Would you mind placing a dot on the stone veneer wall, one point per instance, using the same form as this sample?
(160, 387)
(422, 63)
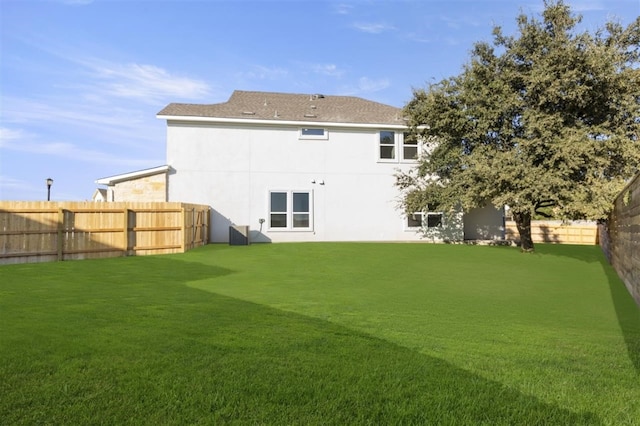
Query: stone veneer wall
(147, 188)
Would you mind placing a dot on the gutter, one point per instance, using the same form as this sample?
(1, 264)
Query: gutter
(332, 124)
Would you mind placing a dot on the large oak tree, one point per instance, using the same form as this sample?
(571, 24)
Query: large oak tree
(545, 122)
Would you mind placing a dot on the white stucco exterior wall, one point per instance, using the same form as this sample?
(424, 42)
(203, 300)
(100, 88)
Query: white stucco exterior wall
(486, 223)
(232, 168)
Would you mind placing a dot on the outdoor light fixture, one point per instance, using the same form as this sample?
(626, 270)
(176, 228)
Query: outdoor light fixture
(49, 183)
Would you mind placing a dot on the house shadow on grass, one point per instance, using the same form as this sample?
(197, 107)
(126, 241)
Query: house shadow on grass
(176, 352)
(627, 310)
(288, 368)
(315, 372)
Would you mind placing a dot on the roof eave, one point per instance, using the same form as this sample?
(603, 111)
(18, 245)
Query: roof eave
(111, 180)
(401, 124)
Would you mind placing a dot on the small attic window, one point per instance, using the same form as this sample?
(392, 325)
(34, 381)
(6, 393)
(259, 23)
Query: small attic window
(248, 113)
(313, 133)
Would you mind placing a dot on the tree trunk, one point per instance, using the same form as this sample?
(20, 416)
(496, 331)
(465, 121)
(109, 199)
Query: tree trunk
(523, 223)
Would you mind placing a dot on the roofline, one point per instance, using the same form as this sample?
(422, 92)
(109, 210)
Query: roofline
(279, 122)
(110, 180)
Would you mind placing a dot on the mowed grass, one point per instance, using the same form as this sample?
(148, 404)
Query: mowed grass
(325, 333)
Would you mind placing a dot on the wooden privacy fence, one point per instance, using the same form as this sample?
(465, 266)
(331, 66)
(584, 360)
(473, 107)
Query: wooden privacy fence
(47, 231)
(621, 237)
(552, 231)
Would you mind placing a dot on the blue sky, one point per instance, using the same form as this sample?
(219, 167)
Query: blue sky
(81, 81)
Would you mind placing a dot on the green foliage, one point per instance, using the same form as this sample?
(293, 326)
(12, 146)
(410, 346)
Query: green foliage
(331, 334)
(550, 118)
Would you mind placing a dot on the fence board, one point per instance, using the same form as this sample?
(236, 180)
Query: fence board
(556, 232)
(43, 231)
(623, 237)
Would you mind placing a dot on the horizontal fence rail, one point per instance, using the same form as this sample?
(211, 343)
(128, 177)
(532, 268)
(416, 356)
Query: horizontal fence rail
(48, 231)
(551, 231)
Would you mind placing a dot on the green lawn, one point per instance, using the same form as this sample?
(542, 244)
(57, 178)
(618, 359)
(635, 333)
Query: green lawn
(321, 333)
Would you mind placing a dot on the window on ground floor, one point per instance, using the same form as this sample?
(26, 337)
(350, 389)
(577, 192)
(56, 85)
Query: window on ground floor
(420, 219)
(434, 220)
(414, 220)
(290, 210)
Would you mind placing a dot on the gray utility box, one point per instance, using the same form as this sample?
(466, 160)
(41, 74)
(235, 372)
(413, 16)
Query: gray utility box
(239, 235)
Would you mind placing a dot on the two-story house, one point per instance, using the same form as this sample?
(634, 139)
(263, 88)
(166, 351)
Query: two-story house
(303, 167)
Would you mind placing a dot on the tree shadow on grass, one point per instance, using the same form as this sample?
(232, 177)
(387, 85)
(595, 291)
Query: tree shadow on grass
(627, 310)
(159, 351)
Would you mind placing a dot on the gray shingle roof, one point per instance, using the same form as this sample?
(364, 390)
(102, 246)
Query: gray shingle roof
(292, 107)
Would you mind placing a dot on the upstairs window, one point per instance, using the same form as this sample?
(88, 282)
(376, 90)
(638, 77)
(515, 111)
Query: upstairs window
(313, 133)
(395, 146)
(387, 144)
(409, 146)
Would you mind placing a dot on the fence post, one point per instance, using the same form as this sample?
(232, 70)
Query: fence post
(206, 224)
(194, 228)
(125, 229)
(183, 233)
(60, 242)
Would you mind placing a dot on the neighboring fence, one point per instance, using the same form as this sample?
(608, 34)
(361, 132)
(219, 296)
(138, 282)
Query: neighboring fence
(48, 231)
(621, 237)
(555, 231)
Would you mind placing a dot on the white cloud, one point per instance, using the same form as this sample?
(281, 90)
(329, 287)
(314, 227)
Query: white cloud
(328, 69)
(104, 123)
(372, 27)
(7, 134)
(343, 9)
(147, 83)
(76, 2)
(451, 41)
(100, 78)
(260, 72)
(418, 38)
(10, 188)
(9, 182)
(368, 85)
(74, 152)
(460, 21)
(578, 6)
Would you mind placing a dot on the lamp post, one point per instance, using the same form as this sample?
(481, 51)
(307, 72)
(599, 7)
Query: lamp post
(49, 183)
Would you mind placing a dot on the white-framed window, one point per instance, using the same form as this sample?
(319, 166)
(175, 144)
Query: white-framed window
(387, 145)
(313, 133)
(414, 220)
(397, 146)
(291, 210)
(419, 220)
(409, 145)
(433, 220)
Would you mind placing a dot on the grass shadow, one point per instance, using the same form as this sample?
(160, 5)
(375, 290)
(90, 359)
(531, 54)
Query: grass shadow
(627, 310)
(137, 345)
(584, 253)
